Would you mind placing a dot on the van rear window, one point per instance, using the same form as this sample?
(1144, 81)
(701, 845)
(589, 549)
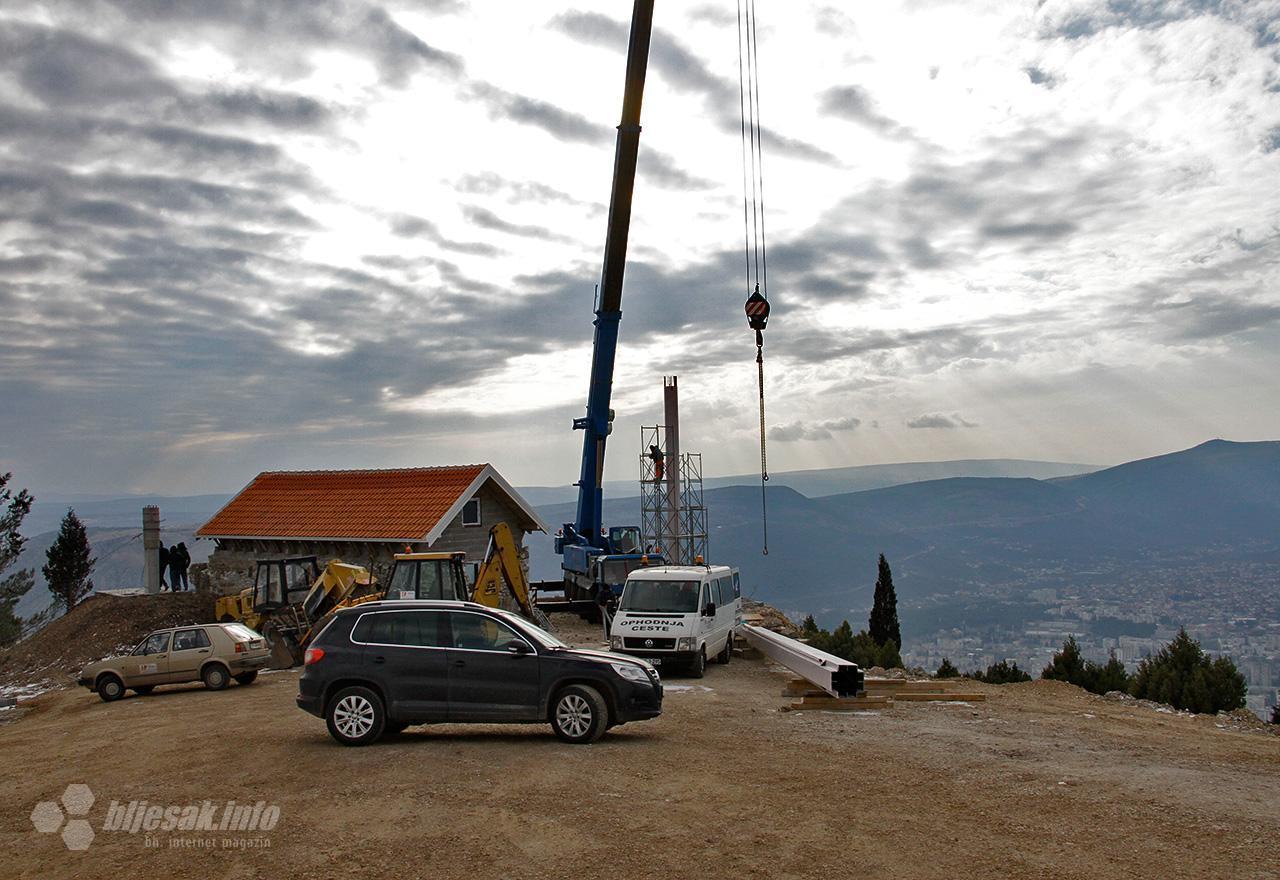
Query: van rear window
(669, 597)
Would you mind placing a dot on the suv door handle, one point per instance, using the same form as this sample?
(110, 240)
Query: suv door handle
(459, 662)
(379, 659)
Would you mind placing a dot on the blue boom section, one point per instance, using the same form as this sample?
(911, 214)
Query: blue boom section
(584, 540)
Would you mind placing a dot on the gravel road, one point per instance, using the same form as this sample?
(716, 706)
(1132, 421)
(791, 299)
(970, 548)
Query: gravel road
(1041, 780)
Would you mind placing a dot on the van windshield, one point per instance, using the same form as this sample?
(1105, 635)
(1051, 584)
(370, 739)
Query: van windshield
(671, 597)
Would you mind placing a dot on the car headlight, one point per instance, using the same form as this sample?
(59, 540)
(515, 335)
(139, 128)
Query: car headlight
(631, 673)
(684, 644)
(615, 642)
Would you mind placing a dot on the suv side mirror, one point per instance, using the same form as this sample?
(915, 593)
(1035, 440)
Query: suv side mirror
(710, 610)
(517, 647)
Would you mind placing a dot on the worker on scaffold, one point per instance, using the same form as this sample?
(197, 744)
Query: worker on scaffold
(659, 462)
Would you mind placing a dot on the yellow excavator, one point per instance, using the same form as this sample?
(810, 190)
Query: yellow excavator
(499, 579)
(291, 597)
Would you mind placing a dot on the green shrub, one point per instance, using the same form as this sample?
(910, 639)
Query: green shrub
(1003, 672)
(946, 670)
(859, 648)
(1069, 665)
(1183, 676)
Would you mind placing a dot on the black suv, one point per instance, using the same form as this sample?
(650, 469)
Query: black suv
(382, 666)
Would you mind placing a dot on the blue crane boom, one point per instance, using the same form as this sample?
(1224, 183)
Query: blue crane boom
(583, 540)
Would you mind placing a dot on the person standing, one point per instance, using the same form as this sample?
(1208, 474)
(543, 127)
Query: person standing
(174, 564)
(184, 562)
(659, 463)
(164, 566)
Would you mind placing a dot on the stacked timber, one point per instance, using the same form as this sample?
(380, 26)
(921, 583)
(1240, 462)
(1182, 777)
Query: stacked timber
(881, 693)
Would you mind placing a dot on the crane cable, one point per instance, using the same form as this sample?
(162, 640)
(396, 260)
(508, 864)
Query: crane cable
(756, 264)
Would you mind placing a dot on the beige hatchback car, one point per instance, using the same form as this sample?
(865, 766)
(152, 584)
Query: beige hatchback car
(213, 653)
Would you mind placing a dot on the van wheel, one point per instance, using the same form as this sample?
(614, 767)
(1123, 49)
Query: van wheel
(215, 677)
(727, 654)
(699, 665)
(110, 688)
(247, 677)
(579, 714)
(355, 716)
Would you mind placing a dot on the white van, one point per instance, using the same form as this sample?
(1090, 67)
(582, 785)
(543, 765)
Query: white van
(678, 615)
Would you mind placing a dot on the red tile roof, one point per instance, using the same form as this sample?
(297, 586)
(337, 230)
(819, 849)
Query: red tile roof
(383, 505)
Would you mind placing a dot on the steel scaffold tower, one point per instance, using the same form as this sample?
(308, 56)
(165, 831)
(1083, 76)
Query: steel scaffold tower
(658, 522)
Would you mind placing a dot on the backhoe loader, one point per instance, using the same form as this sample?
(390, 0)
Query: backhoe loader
(291, 597)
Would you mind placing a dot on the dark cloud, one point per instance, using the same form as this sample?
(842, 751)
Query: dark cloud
(1260, 20)
(519, 192)
(855, 104)
(712, 14)
(686, 72)
(561, 124)
(409, 226)
(1045, 230)
(1271, 140)
(938, 420)
(1040, 77)
(486, 219)
(822, 430)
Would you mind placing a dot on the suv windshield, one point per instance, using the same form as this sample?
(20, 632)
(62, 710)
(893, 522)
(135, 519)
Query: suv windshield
(671, 597)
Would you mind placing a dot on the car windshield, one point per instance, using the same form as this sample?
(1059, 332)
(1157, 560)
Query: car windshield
(537, 633)
(670, 597)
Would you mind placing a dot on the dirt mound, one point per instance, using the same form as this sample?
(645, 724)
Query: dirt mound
(98, 627)
(767, 616)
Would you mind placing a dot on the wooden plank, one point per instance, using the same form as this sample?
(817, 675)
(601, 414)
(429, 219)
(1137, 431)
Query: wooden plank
(842, 704)
(935, 698)
(892, 685)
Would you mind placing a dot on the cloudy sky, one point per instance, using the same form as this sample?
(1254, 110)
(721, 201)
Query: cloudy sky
(243, 235)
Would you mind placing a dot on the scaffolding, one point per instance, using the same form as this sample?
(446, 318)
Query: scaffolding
(679, 532)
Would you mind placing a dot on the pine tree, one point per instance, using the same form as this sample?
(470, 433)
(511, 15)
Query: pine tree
(1111, 677)
(883, 626)
(1067, 664)
(1275, 714)
(1182, 675)
(946, 670)
(13, 510)
(69, 566)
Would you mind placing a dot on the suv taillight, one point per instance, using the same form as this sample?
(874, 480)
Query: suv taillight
(313, 655)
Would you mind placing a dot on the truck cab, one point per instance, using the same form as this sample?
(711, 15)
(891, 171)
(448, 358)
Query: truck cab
(678, 615)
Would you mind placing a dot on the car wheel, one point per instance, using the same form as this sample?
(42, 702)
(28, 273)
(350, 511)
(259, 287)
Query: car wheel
(727, 654)
(215, 677)
(144, 689)
(110, 688)
(579, 714)
(699, 665)
(355, 716)
(247, 677)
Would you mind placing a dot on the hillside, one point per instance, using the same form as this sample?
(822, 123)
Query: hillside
(1218, 502)
(1041, 780)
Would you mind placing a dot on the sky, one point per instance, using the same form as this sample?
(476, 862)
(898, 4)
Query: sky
(242, 236)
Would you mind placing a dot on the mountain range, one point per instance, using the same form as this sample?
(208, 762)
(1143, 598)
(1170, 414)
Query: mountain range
(986, 525)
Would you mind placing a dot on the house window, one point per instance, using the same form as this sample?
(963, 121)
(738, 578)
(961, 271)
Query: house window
(471, 512)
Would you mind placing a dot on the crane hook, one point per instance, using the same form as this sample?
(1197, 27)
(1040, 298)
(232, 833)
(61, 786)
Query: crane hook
(757, 309)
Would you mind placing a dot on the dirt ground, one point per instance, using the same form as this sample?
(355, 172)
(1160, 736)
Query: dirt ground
(1041, 780)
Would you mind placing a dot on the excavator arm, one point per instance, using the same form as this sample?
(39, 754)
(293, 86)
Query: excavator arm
(501, 565)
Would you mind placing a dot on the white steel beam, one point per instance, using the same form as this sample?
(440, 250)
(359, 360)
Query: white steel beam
(835, 675)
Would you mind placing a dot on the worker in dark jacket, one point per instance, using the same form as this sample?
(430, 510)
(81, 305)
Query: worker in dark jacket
(184, 562)
(164, 566)
(659, 463)
(175, 565)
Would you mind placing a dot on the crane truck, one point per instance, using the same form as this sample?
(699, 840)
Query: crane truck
(596, 560)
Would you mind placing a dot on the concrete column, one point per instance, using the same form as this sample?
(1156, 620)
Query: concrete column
(671, 543)
(151, 547)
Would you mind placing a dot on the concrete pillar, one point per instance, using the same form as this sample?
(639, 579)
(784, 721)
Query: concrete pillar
(671, 543)
(151, 547)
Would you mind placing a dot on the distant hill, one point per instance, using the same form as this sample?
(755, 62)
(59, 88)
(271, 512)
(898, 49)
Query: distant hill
(950, 536)
(837, 481)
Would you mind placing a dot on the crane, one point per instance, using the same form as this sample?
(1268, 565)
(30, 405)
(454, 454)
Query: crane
(596, 561)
